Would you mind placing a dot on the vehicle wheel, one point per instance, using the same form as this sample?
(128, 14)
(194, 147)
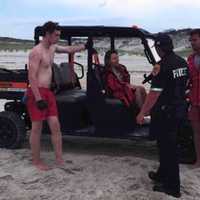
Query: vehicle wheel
(186, 145)
(12, 130)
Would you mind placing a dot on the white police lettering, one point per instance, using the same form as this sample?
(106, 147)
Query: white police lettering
(179, 72)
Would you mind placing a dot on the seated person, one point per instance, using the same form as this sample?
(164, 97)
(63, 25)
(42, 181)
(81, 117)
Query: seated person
(117, 82)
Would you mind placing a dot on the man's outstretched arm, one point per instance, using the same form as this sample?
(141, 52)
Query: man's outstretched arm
(69, 49)
(75, 48)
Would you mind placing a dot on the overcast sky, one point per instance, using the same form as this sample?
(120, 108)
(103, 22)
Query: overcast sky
(18, 18)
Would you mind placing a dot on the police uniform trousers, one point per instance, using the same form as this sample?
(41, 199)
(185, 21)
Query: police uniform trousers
(166, 126)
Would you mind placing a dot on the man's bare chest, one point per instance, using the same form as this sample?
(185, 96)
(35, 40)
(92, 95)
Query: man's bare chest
(47, 59)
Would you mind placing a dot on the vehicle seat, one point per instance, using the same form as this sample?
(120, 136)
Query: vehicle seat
(109, 115)
(64, 77)
(68, 88)
(99, 71)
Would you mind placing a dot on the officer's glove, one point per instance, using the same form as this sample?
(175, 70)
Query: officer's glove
(42, 104)
(89, 44)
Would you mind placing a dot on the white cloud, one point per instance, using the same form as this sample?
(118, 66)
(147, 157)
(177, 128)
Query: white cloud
(144, 7)
(135, 9)
(113, 4)
(84, 3)
(150, 14)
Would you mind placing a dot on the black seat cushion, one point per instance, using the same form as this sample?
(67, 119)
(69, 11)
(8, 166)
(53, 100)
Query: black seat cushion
(71, 96)
(99, 71)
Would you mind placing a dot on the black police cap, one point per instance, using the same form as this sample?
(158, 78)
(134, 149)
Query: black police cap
(164, 41)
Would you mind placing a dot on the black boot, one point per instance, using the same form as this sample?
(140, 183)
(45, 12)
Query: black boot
(166, 190)
(154, 176)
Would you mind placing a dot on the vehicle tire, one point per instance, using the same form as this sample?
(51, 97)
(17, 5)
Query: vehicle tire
(12, 130)
(187, 154)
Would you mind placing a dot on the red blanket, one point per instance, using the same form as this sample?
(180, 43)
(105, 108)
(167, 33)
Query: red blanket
(117, 83)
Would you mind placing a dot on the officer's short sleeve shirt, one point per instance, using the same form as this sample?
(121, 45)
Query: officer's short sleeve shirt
(171, 80)
(158, 81)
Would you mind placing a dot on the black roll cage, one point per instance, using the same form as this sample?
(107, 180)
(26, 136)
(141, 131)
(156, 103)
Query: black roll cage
(67, 32)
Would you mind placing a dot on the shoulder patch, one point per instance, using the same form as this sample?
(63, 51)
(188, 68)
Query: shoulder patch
(180, 72)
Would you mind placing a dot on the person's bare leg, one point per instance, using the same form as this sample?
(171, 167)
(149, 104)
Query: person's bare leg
(35, 145)
(56, 138)
(140, 95)
(196, 129)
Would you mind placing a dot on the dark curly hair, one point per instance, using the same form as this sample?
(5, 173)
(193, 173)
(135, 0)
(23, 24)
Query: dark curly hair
(50, 27)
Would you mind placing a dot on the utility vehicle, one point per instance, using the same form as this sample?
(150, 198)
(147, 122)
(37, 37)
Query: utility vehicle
(82, 112)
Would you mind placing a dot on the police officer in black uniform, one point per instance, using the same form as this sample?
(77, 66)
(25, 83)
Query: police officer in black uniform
(167, 104)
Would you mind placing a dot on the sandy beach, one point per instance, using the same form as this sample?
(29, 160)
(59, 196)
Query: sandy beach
(94, 169)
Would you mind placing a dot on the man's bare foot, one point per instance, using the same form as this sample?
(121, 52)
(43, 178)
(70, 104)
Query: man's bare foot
(60, 162)
(41, 166)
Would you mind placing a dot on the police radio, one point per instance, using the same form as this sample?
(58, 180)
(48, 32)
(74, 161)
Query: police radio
(147, 78)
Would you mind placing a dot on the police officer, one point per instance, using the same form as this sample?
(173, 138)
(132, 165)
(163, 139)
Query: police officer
(167, 105)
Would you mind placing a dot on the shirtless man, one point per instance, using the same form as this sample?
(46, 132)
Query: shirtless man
(41, 103)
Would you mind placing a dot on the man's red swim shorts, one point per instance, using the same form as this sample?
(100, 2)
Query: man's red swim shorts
(36, 114)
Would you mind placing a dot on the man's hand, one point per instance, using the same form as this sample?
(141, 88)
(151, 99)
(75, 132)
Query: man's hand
(53, 86)
(42, 104)
(89, 43)
(156, 70)
(140, 118)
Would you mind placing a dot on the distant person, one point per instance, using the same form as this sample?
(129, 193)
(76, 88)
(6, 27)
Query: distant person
(117, 83)
(194, 69)
(167, 104)
(41, 102)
